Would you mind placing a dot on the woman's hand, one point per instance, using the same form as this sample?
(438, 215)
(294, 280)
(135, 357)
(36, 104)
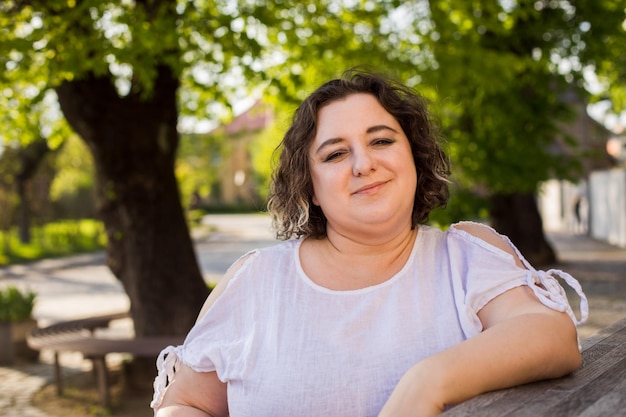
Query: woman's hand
(415, 395)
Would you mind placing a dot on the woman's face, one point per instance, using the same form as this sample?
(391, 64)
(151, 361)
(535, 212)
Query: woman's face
(362, 168)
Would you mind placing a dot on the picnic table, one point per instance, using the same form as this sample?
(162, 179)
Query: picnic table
(598, 388)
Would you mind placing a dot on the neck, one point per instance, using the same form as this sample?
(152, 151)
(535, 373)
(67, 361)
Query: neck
(342, 263)
(371, 244)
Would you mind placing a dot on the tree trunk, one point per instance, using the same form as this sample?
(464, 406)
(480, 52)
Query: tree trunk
(133, 141)
(517, 216)
(24, 211)
(30, 158)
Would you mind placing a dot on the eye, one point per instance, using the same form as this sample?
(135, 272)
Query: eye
(333, 156)
(383, 142)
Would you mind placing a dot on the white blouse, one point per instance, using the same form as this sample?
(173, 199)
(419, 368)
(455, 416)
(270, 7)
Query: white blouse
(289, 347)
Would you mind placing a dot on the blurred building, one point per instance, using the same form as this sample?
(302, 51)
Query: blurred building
(595, 202)
(234, 183)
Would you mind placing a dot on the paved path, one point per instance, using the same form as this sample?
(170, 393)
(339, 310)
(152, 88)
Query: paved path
(82, 285)
(601, 270)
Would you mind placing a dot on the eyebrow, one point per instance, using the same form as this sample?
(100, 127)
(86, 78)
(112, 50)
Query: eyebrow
(378, 128)
(371, 129)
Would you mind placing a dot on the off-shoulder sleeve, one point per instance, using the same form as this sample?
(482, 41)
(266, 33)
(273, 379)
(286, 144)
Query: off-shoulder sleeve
(482, 271)
(217, 342)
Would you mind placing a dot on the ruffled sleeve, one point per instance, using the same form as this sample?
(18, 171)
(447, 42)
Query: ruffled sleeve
(166, 367)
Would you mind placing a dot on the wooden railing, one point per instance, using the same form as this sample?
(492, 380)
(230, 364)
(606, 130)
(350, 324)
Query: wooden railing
(598, 388)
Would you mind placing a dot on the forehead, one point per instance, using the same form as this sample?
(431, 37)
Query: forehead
(355, 111)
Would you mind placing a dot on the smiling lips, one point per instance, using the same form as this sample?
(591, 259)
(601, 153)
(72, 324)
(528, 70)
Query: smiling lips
(370, 188)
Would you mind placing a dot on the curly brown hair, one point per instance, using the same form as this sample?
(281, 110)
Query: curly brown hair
(293, 212)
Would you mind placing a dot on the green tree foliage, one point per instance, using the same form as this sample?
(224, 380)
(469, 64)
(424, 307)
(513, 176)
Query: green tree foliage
(501, 70)
(125, 71)
(72, 191)
(26, 171)
(502, 74)
(605, 24)
(32, 127)
(8, 196)
(263, 153)
(199, 157)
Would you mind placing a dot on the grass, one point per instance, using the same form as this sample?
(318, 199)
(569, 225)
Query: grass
(51, 240)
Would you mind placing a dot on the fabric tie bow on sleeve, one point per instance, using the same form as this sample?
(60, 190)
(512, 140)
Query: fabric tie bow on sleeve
(546, 287)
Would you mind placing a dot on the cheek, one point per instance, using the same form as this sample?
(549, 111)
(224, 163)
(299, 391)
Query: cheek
(412, 169)
(322, 184)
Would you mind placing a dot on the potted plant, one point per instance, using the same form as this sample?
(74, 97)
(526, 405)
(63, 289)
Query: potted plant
(16, 321)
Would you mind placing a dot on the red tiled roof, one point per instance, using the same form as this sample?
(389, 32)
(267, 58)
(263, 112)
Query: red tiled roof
(255, 118)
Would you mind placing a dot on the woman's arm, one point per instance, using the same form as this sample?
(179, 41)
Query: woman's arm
(531, 344)
(194, 394)
(522, 341)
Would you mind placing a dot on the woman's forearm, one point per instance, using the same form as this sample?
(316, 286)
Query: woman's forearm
(180, 411)
(522, 349)
(193, 394)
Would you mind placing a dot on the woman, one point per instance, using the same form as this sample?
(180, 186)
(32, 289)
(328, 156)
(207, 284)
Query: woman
(365, 310)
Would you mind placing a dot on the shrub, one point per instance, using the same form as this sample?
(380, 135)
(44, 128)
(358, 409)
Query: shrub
(16, 305)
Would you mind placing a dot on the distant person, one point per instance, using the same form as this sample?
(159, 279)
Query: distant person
(580, 219)
(365, 310)
(577, 202)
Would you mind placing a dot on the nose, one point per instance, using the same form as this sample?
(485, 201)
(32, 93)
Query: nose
(364, 162)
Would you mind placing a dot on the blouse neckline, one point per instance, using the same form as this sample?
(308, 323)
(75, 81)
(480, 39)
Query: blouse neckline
(320, 288)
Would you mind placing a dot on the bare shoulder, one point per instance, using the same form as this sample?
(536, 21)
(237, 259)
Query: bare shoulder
(223, 283)
(488, 235)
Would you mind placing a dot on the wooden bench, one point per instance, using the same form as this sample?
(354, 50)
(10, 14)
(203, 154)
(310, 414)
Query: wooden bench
(79, 336)
(598, 388)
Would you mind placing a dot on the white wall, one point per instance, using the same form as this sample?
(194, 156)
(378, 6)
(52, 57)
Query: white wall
(607, 192)
(602, 209)
(556, 202)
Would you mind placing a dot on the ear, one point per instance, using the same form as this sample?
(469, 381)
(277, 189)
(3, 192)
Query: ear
(314, 199)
